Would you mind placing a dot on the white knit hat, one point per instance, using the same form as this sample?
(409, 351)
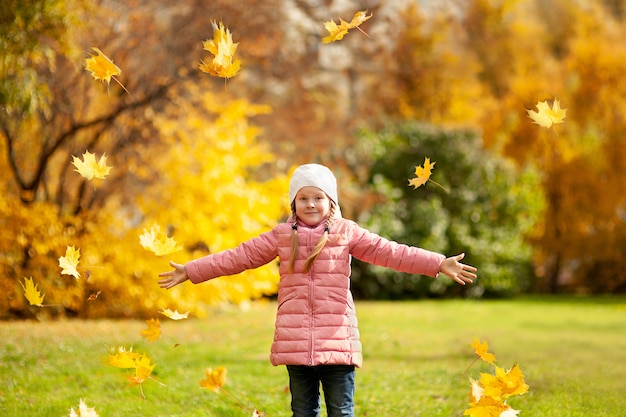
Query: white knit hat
(313, 175)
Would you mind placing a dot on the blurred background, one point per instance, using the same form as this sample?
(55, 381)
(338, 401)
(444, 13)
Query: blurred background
(536, 209)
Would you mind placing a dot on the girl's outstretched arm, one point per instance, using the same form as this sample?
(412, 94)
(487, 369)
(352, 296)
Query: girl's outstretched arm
(175, 277)
(458, 271)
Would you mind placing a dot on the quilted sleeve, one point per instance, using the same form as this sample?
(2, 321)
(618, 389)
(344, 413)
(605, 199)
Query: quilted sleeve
(251, 254)
(377, 250)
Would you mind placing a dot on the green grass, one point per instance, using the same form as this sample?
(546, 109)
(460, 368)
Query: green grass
(571, 350)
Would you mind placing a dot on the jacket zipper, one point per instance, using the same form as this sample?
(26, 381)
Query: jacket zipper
(311, 304)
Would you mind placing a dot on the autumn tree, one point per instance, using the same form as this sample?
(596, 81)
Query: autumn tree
(575, 64)
(47, 206)
(520, 53)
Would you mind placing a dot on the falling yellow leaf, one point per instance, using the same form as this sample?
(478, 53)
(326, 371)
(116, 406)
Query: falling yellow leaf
(128, 359)
(215, 379)
(486, 407)
(102, 68)
(223, 49)
(143, 369)
(153, 332)
(157, 242)
(504, 383)
(481, 349)
(476, 392)
(509, 412)
(34, 297)
(123, 358)
(423, 175)
(83, 410)
(174, 315)
(546, 116)
(69, 262)
(489, 394)
(92, 297)
(338, 31)
(89, 168)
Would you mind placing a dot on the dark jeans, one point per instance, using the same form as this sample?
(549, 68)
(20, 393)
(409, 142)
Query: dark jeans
(337, 383)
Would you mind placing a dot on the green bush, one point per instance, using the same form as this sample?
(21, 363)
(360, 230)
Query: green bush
(487, 209)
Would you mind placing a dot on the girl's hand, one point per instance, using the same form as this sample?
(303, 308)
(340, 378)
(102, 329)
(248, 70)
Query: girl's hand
(173, 278)
(459, 272)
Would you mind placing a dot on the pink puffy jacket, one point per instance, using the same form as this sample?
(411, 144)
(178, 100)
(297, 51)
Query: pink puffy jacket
(316, 320)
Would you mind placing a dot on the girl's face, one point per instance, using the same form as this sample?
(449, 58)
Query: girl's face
(312, 205)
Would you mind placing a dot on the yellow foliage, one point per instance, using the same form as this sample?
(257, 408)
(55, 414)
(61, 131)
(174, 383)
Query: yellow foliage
(222, 192)
(216, 158)
(437, 81)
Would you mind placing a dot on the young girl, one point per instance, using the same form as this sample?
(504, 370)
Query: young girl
(316, 334)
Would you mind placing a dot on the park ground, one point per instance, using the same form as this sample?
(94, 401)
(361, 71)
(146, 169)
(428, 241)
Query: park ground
(416, 359)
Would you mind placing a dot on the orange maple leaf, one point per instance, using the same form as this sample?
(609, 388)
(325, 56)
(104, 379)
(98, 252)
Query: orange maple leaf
(102, 68)
(546, 116)
(153, 332)
(338, 31)
(32, 294)
(215, 379)
(223, 49)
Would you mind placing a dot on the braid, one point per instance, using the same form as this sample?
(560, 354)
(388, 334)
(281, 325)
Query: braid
(294, 238)
(322, 242)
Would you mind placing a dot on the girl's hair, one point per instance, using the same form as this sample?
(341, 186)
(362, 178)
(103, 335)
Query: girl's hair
(320, 245)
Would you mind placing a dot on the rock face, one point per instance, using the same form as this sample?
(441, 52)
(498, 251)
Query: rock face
(319, 92)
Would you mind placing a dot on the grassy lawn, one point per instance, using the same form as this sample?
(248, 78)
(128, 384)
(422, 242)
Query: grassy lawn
(572, 352)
